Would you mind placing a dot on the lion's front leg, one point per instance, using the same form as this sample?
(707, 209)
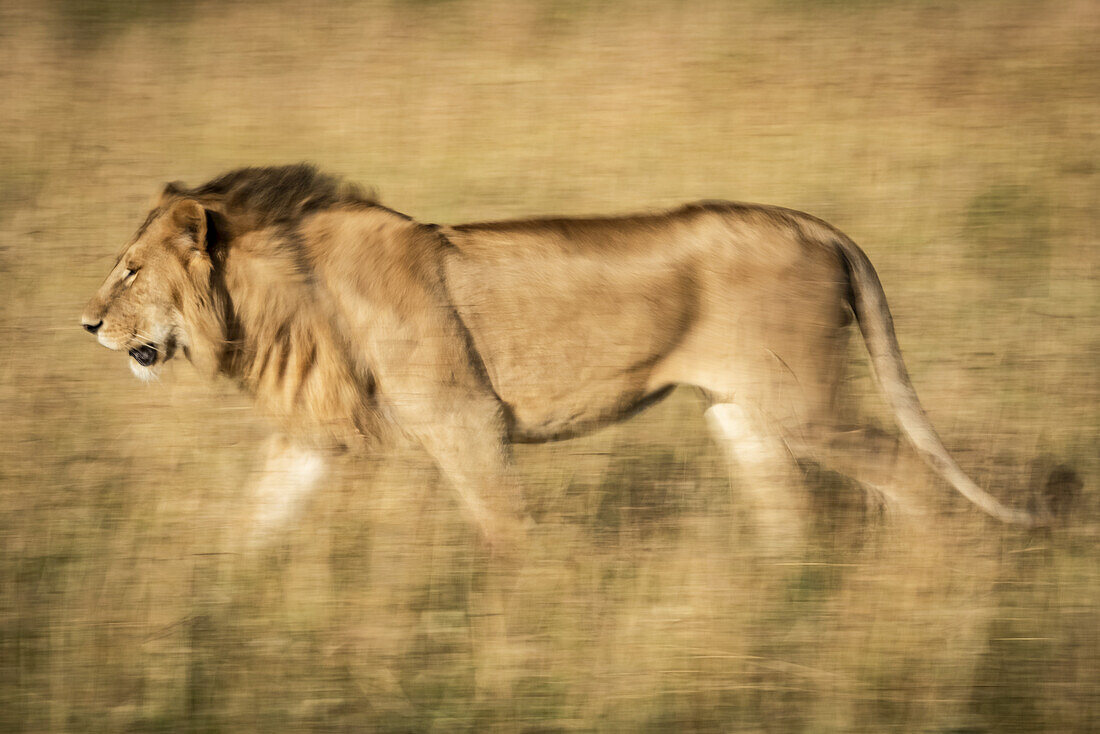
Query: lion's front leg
(466, 440)
(464, 433)
(290, 474)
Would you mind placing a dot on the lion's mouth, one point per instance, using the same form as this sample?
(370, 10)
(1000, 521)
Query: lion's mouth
(145, 355)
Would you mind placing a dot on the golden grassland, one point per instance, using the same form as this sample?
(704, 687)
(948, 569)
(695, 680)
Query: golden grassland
(956, 142)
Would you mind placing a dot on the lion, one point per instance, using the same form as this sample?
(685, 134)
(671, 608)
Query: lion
(347, 321)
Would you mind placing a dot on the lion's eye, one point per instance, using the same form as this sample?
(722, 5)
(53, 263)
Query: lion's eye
(129, 274)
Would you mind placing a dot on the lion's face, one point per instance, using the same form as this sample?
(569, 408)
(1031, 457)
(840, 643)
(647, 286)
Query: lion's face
(139, 307)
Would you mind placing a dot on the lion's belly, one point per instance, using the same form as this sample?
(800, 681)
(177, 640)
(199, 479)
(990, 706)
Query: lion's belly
(542, 423)
(570, 343)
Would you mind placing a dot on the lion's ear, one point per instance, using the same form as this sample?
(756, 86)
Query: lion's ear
(189, 219)
(172, 190)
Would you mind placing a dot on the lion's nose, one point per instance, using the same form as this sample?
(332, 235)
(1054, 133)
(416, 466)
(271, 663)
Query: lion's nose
(92, 328)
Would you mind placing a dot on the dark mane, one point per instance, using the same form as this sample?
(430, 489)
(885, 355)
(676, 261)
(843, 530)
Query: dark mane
(255, 197)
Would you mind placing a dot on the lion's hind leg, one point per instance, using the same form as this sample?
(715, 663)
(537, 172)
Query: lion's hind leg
(892, 478)
(765, 470)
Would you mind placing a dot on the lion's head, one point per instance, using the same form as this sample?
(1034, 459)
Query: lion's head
(157, 299)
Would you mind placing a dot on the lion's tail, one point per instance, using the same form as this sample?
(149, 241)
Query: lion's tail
(869, 304)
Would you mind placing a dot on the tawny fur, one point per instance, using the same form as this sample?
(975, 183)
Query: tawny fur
(345, 319)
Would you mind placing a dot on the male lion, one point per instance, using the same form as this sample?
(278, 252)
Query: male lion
(343, 319)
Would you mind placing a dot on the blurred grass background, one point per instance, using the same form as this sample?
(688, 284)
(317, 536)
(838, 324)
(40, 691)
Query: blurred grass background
(957, 142)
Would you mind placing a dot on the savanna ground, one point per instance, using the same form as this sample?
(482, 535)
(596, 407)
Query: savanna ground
(958, 143)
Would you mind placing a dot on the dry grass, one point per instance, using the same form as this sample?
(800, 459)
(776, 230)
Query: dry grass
(957, 144)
